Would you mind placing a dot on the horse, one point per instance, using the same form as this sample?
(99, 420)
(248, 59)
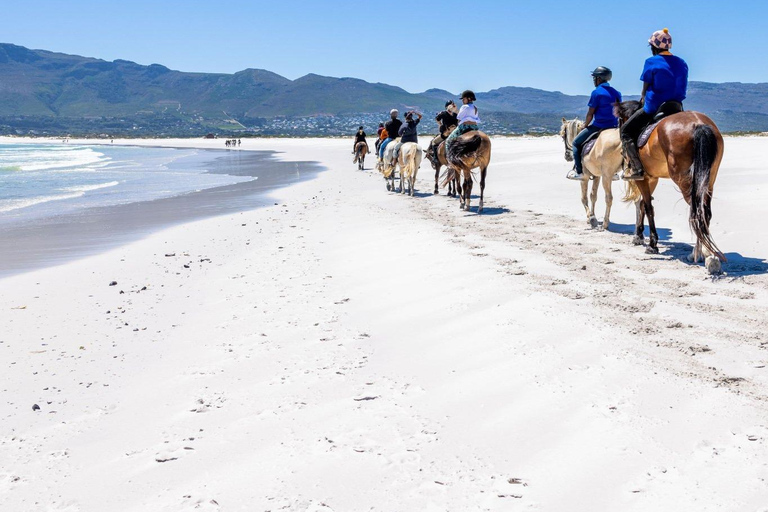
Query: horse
(409, 161)
(687, 148)
(385, 167)
(468, 151)
(361, 149)
(604, 161)
(453, 185)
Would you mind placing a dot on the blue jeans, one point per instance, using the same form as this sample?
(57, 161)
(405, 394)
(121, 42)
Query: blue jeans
(384, 146)
(578, 142)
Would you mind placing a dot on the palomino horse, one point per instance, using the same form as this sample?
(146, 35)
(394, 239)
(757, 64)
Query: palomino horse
(604, 161)
(361, 149)
(687, 148)
(409, 161)
(468, 151)
(453, 185)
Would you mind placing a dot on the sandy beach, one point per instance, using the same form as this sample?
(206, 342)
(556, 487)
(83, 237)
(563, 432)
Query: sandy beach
(342, 348)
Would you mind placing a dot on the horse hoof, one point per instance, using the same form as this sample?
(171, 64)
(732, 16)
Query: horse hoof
(638, 241)
(479, 210)
(651, 250)
(713, 265)
(435, 192)
(593, 222)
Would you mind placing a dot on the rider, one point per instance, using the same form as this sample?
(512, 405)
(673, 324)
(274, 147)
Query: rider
(467, 117)
(379, 138)
(665, 78)
(408, 133)
(360, 137)
(446, 122)
(601, 110)
(393, 127)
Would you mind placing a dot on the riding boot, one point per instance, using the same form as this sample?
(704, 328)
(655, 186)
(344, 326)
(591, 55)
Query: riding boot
(635, 169)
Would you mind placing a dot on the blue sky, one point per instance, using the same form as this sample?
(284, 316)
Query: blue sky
(416, 45)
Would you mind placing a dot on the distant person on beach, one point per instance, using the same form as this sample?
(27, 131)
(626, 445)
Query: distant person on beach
(360, 137)
(447, 121)
(599, 116)
(408, 133)
(393, 128)
(468, 117)
(665, 79)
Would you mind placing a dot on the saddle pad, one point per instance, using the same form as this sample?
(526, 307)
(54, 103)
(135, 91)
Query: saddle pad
(588, 147)
(646, 134)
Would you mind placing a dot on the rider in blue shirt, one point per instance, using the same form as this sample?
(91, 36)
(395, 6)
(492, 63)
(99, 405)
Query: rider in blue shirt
(600, 115)
(665, 78)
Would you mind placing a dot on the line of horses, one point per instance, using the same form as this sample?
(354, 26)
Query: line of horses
(686, 147)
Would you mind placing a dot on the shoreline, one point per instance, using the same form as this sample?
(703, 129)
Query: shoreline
(32, 244)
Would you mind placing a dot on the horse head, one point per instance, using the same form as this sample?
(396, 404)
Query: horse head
(568, 131)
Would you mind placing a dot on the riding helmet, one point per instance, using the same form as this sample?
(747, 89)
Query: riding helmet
(661, 39)
(360, 128)
(449, 103)
(603, 72)
(393, 111)
(469, 95)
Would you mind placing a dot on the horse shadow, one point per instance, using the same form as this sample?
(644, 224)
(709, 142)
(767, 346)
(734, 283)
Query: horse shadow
(629, 229)
(488, 210)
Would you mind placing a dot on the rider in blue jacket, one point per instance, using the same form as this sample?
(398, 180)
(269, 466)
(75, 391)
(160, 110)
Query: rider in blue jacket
(599, 116)
(665, 78)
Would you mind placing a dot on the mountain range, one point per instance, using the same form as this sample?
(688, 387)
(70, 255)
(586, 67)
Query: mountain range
(61, 93)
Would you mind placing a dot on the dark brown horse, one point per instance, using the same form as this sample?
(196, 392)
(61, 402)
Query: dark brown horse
(469, 151)
(361, 149)
(687, 148)
(453, 185)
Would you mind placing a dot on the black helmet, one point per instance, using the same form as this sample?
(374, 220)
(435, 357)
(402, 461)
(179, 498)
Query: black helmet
(603, 72)
(360, 128)
(448, 103)
(469, 95)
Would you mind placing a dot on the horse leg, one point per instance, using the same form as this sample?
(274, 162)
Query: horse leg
(639, 238)
(593, 201)
(468, 191)
(647, 203)
(483, 172)
(437, 174)
(584, 200)
(608, 187)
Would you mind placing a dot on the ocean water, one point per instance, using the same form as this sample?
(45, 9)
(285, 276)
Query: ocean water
(46, 180)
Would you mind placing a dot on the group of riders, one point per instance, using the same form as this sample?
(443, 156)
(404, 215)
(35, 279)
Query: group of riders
(452, 122)
(665, 83)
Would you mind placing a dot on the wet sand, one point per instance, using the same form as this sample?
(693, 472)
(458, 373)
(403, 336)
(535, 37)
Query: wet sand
(54, 240)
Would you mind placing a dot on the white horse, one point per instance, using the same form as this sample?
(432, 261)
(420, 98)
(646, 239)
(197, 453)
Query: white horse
(408, 160)
(604, 161)
(385, 166)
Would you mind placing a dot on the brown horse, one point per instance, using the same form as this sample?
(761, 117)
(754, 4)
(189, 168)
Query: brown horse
(453, 185)
(361, 149)
(468, 151)
(687, 148)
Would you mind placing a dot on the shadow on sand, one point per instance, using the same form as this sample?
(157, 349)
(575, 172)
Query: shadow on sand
(629, 229)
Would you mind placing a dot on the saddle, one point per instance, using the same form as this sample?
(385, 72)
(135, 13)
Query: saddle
(589, 144)
(666, 109)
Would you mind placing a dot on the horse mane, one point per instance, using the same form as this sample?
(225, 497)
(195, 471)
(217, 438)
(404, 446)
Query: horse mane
(625, 109)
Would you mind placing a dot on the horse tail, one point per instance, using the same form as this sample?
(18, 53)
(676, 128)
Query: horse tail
(704, 154)
(448, 175)
(631, 192)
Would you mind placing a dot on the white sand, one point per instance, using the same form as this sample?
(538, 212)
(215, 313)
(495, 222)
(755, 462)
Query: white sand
(350, 349)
